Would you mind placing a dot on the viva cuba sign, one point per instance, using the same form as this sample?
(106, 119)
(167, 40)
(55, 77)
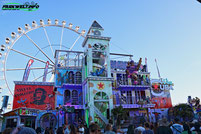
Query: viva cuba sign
(160, 85)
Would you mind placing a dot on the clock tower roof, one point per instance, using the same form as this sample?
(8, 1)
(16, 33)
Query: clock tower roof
(95, 24)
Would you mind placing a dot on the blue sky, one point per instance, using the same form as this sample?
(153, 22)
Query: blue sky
(169, 31)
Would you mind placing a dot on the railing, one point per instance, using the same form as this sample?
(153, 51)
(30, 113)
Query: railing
(97, 111)
(132, 82)
(130, 100)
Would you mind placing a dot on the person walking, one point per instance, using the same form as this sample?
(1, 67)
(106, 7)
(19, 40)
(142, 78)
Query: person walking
(176, 127)
(163, 127)
(187, 129)
(108, 129)
(147, 129)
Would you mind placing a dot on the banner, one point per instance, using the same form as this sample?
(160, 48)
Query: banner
(160, 92)
(27, 70)
(34, 96)
(45, 71)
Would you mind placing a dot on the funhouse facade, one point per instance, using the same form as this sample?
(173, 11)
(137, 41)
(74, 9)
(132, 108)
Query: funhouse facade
(87, 86)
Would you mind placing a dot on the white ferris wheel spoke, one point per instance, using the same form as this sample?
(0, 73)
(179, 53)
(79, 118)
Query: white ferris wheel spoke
(38, 47)
(33, 68)
(29, 56)
(48, 40)
(62, 32)
(75, 42)
(41, 76)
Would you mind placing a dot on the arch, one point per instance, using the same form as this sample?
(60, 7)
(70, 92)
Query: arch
(101, 96)
(71, 77)
(67, 96)
(48, 120)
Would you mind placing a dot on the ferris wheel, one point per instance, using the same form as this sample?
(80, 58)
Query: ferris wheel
(38, 43)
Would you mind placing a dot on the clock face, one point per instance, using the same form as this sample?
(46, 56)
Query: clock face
(97, 32)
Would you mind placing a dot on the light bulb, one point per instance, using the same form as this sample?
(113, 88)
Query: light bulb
(7, 40)
(70, 25)
(63, 23)
(19, 30)
(27, 26)
(48, 21)
(56, 22)
(34, 24)
(83, 32)
(13, 34)
(41, 22)
(77, 28)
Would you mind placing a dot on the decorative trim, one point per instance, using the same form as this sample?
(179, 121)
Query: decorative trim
(94, 37)
(34, 83)
(100, 79)
(136, 105)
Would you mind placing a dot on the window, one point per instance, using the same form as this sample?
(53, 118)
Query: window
(101, 96)
(67, 97)
(99, 60)
(71, 77)
(78, 77)
(74, 97)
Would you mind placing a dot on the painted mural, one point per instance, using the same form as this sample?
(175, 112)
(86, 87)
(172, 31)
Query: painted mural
(34, 96)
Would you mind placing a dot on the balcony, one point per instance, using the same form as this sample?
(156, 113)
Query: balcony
(125, 85)
(132, 102)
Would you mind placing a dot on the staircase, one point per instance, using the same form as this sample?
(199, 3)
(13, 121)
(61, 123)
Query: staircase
(103, 118)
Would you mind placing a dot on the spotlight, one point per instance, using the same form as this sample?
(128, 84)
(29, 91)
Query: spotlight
(34, 24)
(56, 22)
(7, 40)
(48, 21)
(27, 26)
(13, 34)
(19, 30)
(77, 28)
(63, 23)
(70, 25)
(41, 22)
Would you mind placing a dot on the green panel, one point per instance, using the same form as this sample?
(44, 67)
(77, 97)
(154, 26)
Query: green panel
(85, 71)
(87, 117)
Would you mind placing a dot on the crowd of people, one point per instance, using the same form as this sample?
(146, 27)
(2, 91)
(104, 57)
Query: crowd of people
(160, 127)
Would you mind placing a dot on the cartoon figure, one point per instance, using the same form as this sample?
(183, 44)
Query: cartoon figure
(132, 71)
(61, 78)
(39, 96)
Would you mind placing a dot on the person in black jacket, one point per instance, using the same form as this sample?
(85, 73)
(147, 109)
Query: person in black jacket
(163, 127)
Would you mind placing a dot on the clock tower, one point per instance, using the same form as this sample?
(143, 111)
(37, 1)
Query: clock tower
(97, 85)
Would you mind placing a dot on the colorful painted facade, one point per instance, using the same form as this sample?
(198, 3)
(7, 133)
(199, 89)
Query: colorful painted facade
(90, 87)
